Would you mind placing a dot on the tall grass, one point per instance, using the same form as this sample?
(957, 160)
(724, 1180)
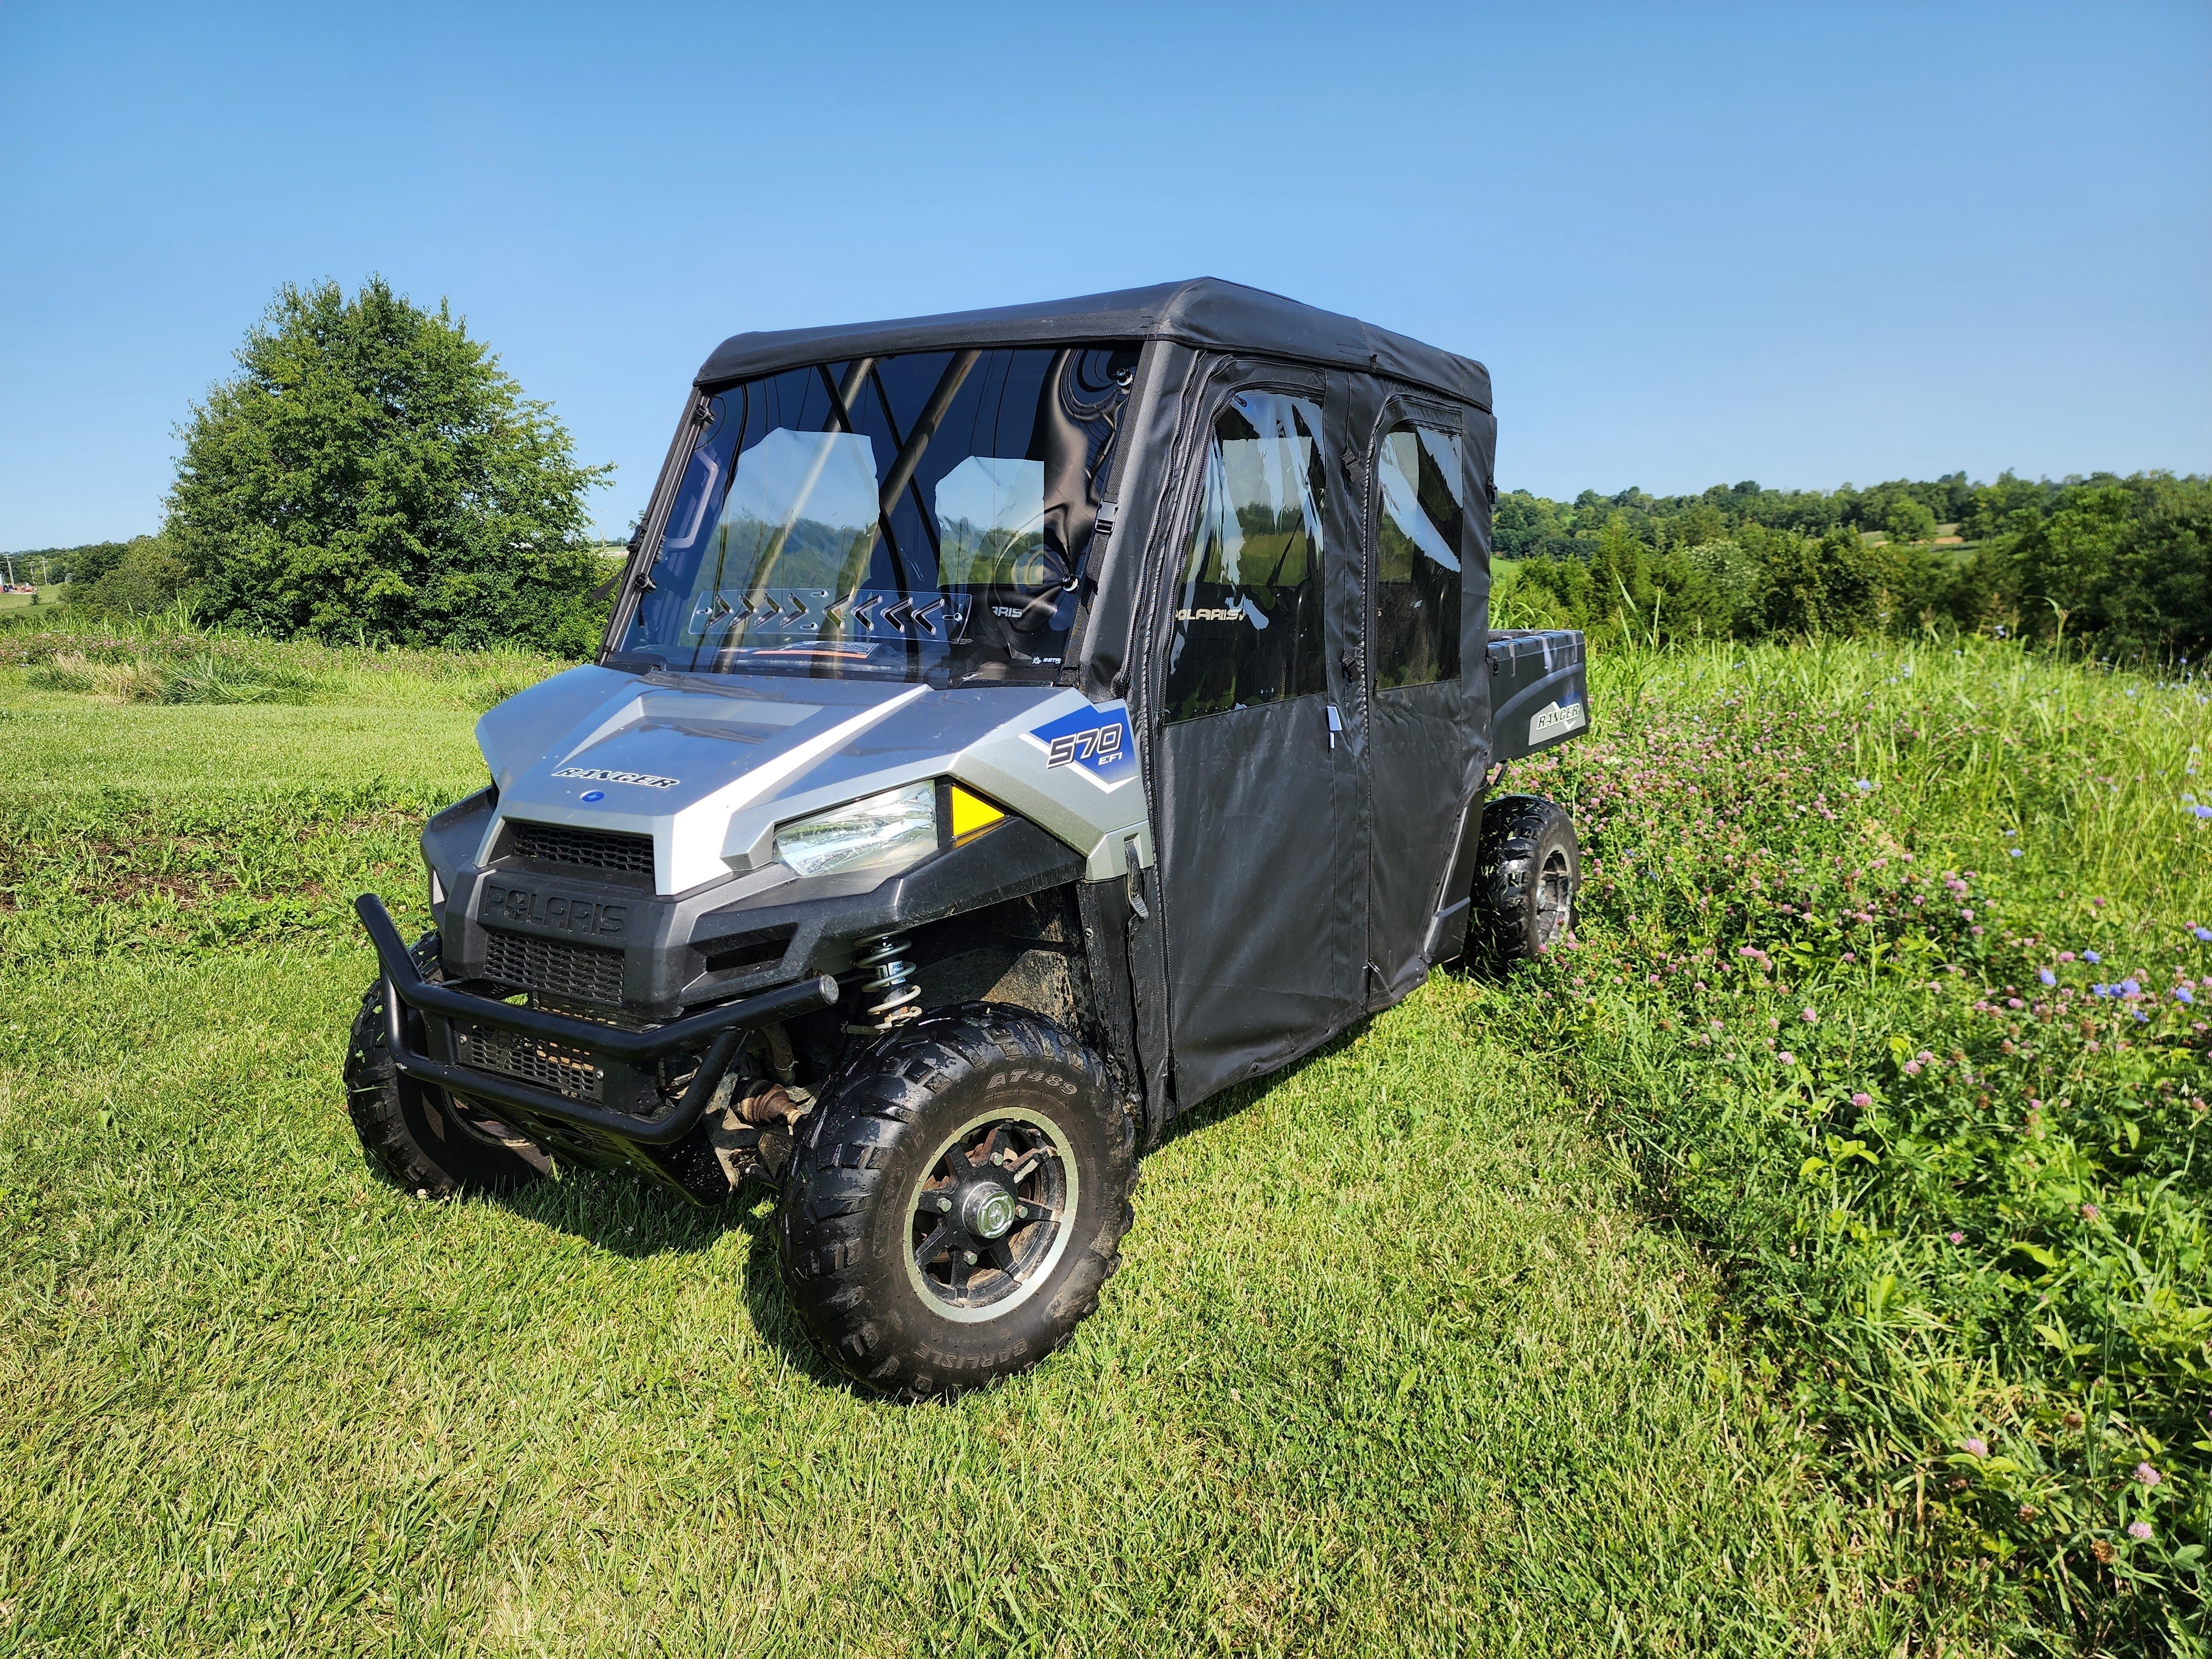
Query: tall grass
(1890, 974)
(168, 659)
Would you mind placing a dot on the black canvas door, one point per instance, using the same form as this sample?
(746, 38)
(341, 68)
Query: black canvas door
(1257, 794)
(1426, 683)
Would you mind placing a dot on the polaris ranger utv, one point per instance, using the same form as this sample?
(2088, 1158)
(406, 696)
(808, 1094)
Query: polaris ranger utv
(1014, 729)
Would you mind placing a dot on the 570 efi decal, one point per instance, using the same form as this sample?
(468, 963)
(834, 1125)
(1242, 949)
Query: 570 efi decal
(1096, 740)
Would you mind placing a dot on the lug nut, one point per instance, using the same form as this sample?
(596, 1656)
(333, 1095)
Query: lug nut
(971, 1258)
(944, 1204)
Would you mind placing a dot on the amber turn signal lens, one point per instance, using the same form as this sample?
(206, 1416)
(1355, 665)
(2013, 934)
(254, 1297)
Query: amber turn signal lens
(971, 814)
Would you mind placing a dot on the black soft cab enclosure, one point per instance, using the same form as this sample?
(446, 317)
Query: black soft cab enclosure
(1014, 727)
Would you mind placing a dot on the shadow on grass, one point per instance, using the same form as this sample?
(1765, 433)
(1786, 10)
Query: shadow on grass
(626, 1216)
(1234, 1099)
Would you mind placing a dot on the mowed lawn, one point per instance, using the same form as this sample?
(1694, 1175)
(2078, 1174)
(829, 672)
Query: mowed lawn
(1395, 1363)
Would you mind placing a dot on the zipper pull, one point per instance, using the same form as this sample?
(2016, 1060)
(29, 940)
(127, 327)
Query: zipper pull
(1335, 724)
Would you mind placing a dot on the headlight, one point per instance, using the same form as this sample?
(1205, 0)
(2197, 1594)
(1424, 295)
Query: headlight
(896, 827)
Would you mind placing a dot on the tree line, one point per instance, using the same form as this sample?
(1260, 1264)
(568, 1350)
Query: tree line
(2121, 565)
(372, 474)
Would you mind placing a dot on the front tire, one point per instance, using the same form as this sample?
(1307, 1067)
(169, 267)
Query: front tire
(958, 1201)
(1528, 877)
(414, 1135)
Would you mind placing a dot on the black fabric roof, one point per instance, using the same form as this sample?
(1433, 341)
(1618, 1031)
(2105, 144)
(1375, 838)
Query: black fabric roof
(1204, 311)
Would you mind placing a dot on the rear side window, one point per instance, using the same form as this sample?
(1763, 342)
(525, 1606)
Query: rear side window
(1248, 613)
(1417, 573)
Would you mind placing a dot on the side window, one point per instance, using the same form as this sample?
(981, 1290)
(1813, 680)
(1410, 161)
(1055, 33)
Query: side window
(1417, 575)
(1247, 615)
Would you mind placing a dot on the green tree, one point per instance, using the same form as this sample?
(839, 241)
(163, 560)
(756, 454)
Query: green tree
(1737, 581)
(1853, 579)
(1522, 524)
(1792, 566)
(372, 471)
(1620, 573)
(1908, 520)
(2068, 564)
(2125, 563)
(88, 563)
(146, 577)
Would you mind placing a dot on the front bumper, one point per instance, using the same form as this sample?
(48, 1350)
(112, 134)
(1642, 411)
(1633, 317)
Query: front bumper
(721, 1030)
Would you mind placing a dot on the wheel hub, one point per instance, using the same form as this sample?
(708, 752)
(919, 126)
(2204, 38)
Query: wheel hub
(986, 1210)
(1555, 898)
(990, 1215)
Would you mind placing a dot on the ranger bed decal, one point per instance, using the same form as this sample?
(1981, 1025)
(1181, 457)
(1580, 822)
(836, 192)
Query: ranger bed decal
(1556, 718)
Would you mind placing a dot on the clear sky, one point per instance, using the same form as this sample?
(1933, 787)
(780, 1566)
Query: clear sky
(1693, 244)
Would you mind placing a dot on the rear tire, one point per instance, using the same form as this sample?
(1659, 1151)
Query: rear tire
(1527, 878)
(411, 1133)
(956, 1201)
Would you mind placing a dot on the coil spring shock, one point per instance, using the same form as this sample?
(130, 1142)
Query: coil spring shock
(889, 997)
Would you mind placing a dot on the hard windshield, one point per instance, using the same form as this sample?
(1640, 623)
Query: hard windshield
(911, 517)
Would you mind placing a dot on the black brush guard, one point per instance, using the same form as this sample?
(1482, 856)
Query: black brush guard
(721, 1030)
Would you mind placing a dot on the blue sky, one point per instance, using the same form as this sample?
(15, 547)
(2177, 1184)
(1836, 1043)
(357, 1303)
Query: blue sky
(1693, 244)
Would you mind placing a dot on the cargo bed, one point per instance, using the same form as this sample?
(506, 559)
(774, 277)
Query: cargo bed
(1538, 689)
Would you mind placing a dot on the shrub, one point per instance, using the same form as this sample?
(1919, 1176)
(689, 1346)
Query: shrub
(147, 577)
(372, 474)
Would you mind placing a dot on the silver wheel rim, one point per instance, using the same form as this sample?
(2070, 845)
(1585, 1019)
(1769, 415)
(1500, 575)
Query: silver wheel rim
(1555, 897)
(1008, 1158)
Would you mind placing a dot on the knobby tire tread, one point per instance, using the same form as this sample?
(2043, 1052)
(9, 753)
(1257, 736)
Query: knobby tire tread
(839, 1174)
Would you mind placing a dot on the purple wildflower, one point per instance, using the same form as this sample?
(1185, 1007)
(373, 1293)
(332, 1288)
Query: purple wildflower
(2181, 994)
(1863, 1100)
(2147, 1475)
(2046, 976)
(2140, 1531)
(2203, 935)
(1975, 1446)
(1787, 1058)
(2091, 957)
(1957, 1238)
(2089, 1213)
(1809, 1015)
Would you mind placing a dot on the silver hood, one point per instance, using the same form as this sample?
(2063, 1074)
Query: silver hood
(709, 767)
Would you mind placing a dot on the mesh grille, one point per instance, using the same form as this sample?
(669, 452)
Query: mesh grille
(551, 1065)
(560, 971)
(589, 849)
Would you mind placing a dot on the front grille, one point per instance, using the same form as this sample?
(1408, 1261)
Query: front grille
(582, 971)
(588, 849)
(551, 1065)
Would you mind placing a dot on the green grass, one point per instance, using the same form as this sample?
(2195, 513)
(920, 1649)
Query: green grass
(1424, 1346)
(1839, 1003)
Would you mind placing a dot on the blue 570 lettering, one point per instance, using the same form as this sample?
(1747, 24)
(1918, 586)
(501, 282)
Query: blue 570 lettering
(1100, 742)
